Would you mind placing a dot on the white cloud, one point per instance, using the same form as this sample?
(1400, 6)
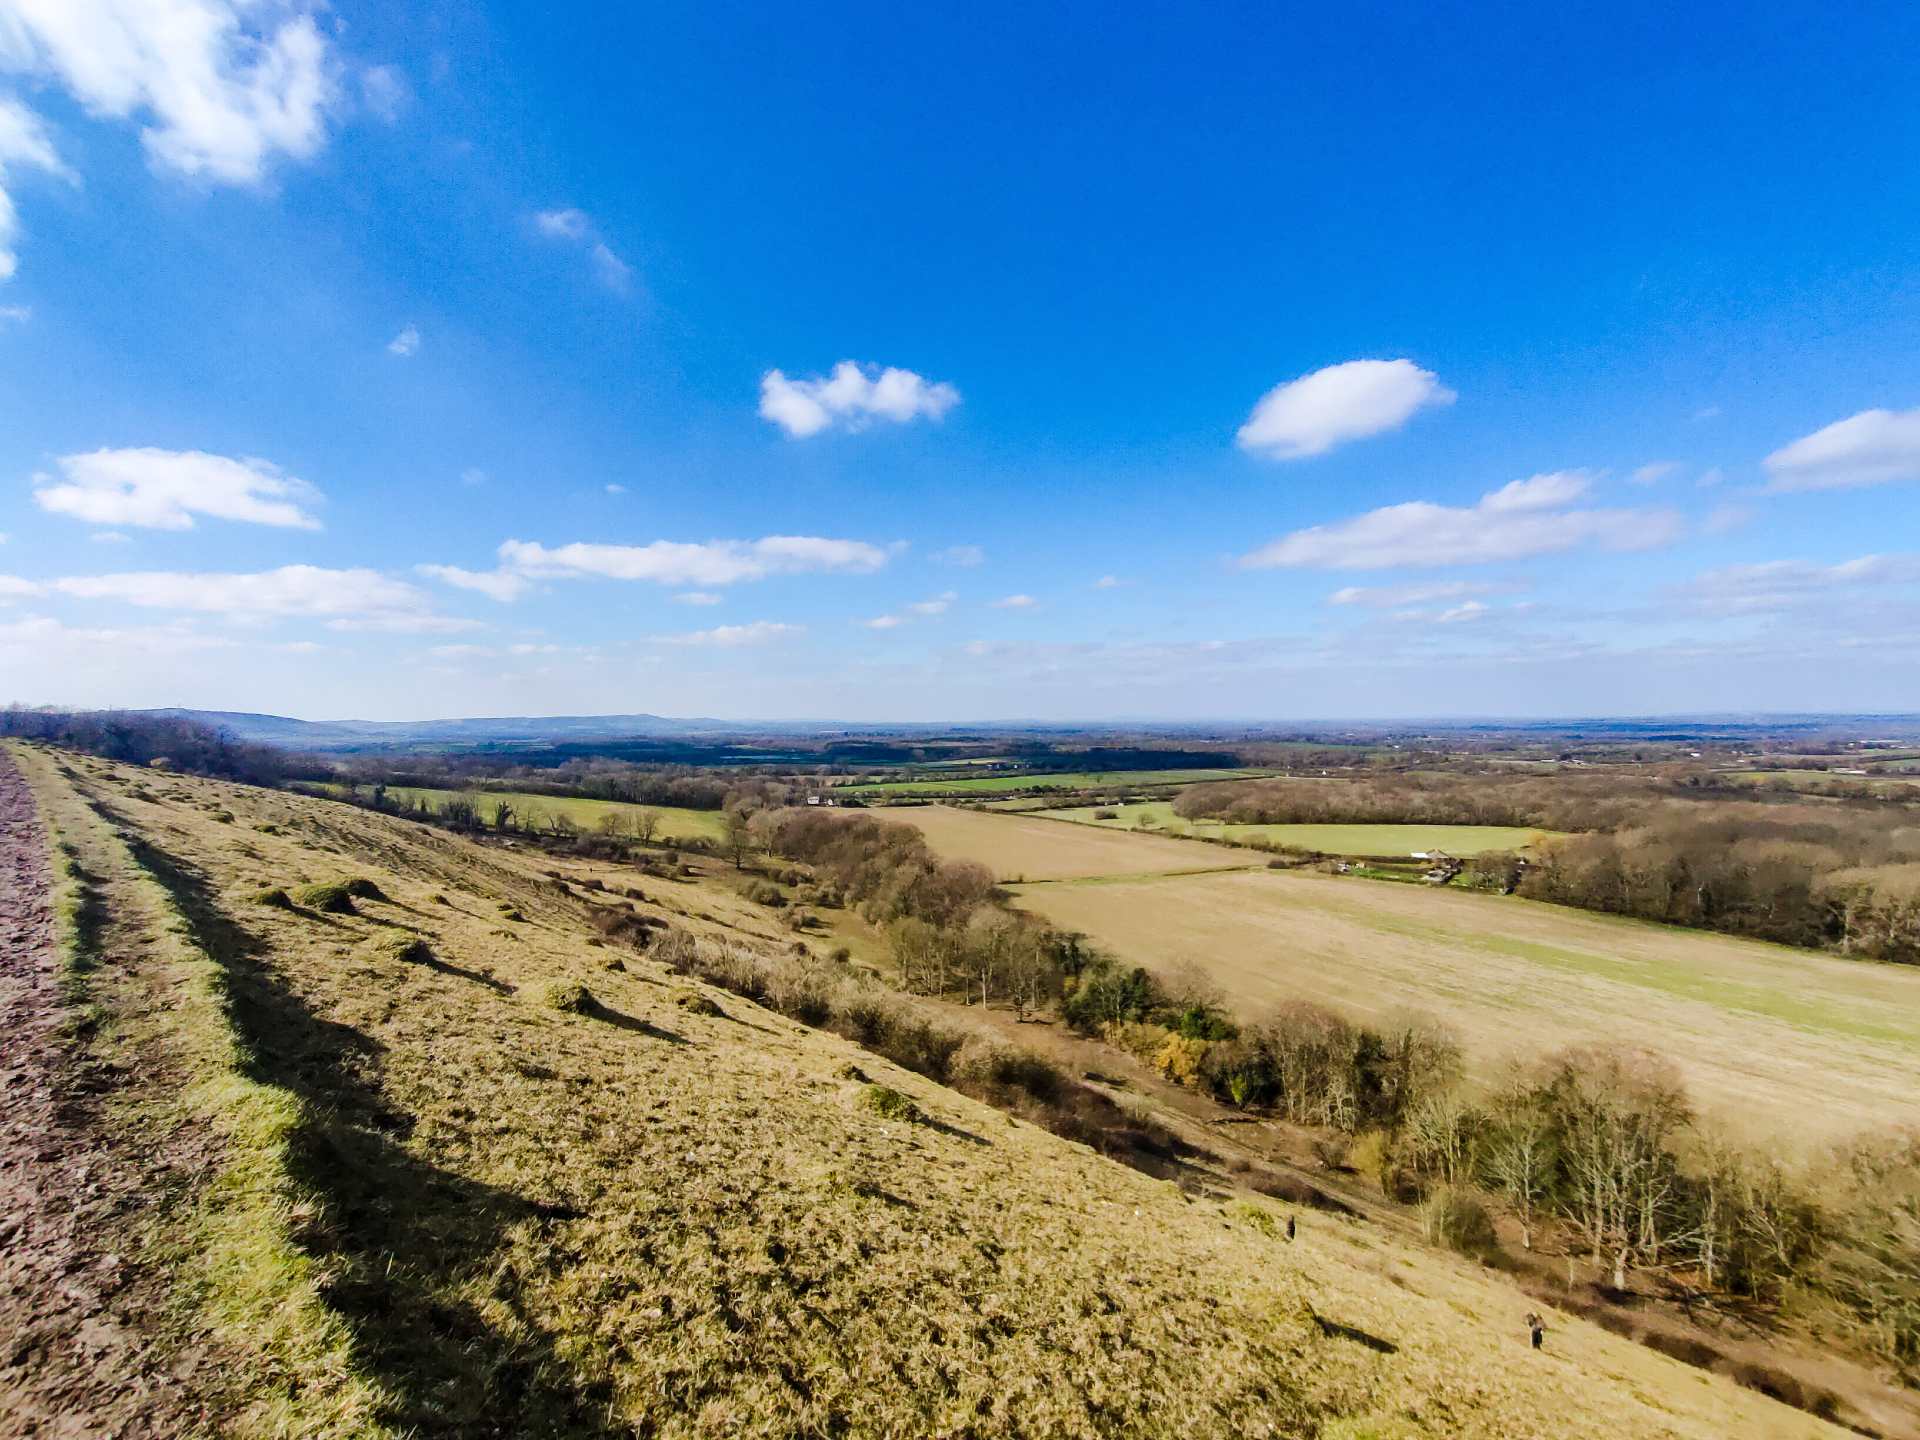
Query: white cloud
(292, 590)
(12, 587)
(406, 343)
(15, 314)
(852, 397)
(1518, 520)
(1707, 412)
(1350, 401)
(1471, 610)
(717, 562)
(1725, 519)
(501, 585)
(1537, 492)
(165, 489)
(109, 537)
(218, 99)
(24, 144)
(1870, 448)
(1015, 602)
(1777, 585)
(884, 622)
(577, 227)
(728, 637)
(1654, 471)
(473, 476)
(938, 605)
(1386, 597)
(1108, 582)
(696, 597)
(961, 557)
(615, 489)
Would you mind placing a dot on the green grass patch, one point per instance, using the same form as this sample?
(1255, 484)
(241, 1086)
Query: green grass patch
(533, 810)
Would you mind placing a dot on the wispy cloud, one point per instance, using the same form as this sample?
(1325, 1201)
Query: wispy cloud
(1777, 585)
(165, 489)
(853, 397)
(1654, 471)
(577, 227)
(1015, 602)
(291, 590)
(1388, 597)
(729, 637)
(961, 557)
(1521, 519)
(1351, 401)
(716, 562)
(501, 585)
(406, 343)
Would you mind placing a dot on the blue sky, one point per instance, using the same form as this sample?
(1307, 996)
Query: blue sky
(1063, 362)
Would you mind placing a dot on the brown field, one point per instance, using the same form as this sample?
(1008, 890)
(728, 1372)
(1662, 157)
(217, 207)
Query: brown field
(1776, 1040)
(1020, 847)
(425, 1200)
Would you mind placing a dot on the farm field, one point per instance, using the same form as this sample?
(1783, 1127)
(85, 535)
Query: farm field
(675, 824)
(1158, 816)
(1772, 1039)
(1020, 847)
(1067, 780)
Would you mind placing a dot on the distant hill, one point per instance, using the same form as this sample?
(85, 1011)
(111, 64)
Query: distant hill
(341, 734)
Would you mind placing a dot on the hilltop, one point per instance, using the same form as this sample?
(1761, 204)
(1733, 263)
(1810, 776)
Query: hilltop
(378, 1130)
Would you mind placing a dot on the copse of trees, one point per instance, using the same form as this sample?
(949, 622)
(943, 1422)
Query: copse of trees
(158, 740)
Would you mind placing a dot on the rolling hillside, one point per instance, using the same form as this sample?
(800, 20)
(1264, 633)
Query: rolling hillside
(421, 1155)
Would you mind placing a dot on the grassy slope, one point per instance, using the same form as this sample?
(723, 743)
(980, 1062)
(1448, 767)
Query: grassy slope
(642, 1218)
(1158, 815)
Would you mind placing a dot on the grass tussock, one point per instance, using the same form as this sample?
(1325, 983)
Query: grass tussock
(329, 897)
(568, 996)
(890, 1104)
(401, 946)
(274, 898)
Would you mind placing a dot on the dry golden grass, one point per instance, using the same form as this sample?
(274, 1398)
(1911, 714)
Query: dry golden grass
(639, 1218)
(1020, 847)
(1775, 1040)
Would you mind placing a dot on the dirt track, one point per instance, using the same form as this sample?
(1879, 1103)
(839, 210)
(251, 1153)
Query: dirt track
(76, 1316)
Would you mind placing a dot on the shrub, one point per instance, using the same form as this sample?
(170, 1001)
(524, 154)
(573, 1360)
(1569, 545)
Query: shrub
(1180, 1059)
(889, 1104)
(329, 896)
(566, 995)
(765, 892)
(275, 898)
(1260, 1218)
(1000, 1072)
(223, 817)
(1456, 1219)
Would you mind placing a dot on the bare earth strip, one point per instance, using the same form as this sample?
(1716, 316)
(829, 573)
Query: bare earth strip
(79, 1355)
(1775, 1040)
(1023, 847)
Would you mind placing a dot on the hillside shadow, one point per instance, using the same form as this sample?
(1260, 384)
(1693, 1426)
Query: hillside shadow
(400, 1239)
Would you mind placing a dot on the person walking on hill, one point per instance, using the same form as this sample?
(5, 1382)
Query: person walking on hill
(1536, 1327)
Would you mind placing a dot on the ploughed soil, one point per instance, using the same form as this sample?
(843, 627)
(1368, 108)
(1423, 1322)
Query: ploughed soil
(81, 1320)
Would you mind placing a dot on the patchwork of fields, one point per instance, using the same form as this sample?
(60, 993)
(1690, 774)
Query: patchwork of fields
(1158, 816)
(1773, 1039)
(1074, 780)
